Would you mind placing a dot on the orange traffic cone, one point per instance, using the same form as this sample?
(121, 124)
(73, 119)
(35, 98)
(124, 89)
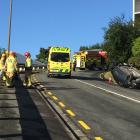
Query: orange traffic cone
(110, 80)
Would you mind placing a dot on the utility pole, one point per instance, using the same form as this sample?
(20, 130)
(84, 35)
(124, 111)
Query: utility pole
(10, 21)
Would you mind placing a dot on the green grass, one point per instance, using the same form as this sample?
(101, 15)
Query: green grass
(107, 75)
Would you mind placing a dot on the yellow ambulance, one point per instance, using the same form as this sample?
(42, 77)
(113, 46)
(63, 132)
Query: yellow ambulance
(59, 62)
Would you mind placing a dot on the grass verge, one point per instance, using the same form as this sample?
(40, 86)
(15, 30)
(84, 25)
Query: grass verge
(108, 75)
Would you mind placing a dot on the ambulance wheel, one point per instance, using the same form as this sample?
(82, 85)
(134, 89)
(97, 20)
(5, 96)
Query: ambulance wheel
(68, 76)
(48, 75)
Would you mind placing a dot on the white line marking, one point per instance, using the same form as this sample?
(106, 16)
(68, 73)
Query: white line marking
(41, 86)
(129, 98)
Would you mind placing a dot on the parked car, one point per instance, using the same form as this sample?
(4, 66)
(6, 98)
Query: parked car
(126, 76)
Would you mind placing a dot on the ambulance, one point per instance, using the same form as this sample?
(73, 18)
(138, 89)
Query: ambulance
(59, 62)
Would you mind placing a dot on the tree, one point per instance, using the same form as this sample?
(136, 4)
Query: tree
(136, 47)
(1, 51)
(95, 46)
(43, 55)
(135, 59)
(119, 37)
(83, 48)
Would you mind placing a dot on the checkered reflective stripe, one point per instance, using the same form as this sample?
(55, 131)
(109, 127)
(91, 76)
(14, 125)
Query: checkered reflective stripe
(64, 70)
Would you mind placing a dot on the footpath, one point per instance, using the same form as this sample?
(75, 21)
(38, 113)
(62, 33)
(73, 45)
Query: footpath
(25, 116)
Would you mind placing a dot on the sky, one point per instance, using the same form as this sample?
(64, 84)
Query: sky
(69, 23)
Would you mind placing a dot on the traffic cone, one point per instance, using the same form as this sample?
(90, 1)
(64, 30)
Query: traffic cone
(110, 80)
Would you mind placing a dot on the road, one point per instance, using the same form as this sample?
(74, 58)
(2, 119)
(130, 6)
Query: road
(100, 110)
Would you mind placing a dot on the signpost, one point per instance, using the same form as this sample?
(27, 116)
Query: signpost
(9, 32)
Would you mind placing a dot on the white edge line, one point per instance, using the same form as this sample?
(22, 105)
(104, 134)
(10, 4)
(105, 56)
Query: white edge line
(129, 98)
(41, 86)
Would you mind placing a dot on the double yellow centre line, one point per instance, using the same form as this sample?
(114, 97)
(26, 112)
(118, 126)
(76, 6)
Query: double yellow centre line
(84, 125)
(71, 113)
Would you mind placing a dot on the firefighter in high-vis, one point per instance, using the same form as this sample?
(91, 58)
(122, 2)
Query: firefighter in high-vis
(16, 61)
(11, 69)
(28, 70)
(2, 66)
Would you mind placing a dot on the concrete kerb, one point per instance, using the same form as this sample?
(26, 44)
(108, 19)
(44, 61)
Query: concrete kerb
(67, 122)
(77, 133)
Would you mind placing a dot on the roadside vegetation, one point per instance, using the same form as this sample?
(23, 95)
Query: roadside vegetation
(121, 42)
(1, 51)
(108, 75)
(43, 55)
(135, 59)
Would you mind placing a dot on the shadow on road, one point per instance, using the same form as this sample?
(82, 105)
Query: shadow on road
(32, 125)
(60, 88)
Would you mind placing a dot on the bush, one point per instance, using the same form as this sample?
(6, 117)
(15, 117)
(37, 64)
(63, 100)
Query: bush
(136, 47)
(135, 61)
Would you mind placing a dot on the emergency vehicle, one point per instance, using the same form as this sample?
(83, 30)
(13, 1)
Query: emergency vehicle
(59, 62)
(91, 59)
(80, 59)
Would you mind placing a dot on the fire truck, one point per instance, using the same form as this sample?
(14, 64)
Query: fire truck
(79, 59)
(90, 59)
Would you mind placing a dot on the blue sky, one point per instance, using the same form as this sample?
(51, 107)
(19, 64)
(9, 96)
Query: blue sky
(70, 23)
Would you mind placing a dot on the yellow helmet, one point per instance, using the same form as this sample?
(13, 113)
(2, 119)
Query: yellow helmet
(3, 55)
(6, 52)
(11, 53)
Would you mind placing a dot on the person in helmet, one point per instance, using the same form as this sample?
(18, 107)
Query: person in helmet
(6, 53)
(28, 69)
(2, 66)
(11, 69)
(2, 61)
(16, 61)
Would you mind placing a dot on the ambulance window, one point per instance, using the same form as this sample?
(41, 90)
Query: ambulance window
(60, 57)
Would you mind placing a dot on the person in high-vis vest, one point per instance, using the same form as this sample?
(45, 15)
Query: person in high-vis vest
(11, 69)
(28, 70)
(2, 66)
(16, 61)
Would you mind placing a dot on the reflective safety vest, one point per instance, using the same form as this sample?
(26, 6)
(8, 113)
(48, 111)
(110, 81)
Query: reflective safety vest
(28, 62)
(2, 63)
(11, 64)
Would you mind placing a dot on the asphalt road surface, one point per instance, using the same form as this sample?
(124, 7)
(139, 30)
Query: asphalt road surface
(100, 110)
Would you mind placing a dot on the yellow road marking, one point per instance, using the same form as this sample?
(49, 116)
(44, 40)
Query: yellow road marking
(70, 113)
(98, 138)
(84, 125)
(49, 93)
(54, 97)
(61, 104)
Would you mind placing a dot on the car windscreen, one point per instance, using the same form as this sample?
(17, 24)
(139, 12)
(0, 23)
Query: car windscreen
(60, 57)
